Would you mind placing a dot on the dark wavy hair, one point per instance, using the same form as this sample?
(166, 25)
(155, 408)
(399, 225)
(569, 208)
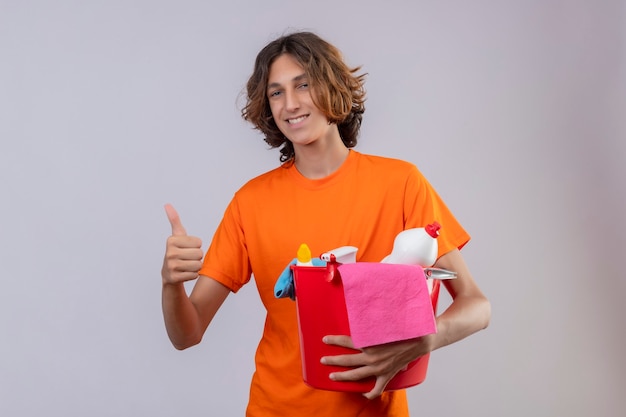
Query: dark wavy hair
(338, 90)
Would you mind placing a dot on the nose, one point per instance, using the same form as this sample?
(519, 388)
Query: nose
(292, 102)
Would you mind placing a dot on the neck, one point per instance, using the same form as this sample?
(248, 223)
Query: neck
(321, 158)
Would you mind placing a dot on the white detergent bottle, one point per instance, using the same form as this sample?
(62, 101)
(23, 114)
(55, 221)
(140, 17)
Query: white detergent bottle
(417, 246)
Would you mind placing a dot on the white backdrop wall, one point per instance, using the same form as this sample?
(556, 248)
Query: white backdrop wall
(109, 109)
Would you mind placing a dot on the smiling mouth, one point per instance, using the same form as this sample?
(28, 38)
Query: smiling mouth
(297, 119)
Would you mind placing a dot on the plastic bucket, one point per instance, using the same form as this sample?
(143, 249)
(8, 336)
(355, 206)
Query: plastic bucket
(321, 309)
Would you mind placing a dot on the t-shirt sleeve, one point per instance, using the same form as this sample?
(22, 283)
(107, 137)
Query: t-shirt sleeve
(423, 205)
(226, 260)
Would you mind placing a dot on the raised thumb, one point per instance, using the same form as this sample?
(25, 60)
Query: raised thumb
(172, 216)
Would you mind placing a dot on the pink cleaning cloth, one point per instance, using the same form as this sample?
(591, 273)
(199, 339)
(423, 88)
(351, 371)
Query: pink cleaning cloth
(386, 302)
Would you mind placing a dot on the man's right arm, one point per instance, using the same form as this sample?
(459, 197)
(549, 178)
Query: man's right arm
(187, 317)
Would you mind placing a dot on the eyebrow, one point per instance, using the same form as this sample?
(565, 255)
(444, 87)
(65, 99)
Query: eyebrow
(300, 77)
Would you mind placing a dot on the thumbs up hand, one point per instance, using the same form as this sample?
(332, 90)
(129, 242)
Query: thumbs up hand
(183, 254)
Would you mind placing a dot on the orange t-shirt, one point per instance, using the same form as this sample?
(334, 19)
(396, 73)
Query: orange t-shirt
(365, 203)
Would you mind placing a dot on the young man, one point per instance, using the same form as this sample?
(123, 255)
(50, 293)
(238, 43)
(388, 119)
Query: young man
(306, 101)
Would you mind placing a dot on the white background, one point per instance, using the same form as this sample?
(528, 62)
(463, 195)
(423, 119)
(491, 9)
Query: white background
(109, 109)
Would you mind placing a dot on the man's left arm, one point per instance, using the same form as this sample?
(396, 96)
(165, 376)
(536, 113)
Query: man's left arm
(469, 312)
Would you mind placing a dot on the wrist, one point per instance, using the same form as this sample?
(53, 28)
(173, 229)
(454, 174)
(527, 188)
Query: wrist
(440, 338)
(173, 287)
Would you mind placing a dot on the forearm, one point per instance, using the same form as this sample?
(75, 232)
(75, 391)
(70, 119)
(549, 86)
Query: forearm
(465, 316)
(470, 310)
(181, 317)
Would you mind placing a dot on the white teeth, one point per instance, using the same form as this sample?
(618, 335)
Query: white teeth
(298, 120)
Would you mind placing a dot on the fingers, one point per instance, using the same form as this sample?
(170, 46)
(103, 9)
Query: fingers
(347, 360)
(183, 254)
(183, 259)
(361, 374)
(377, 361)
(345, 341)
(184, 242)
(379, 387)
(174, 218)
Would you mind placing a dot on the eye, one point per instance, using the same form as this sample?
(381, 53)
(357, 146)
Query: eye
(274, 93)
(303, 86)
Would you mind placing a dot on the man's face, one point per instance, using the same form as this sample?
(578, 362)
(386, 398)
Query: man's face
(291, 103)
